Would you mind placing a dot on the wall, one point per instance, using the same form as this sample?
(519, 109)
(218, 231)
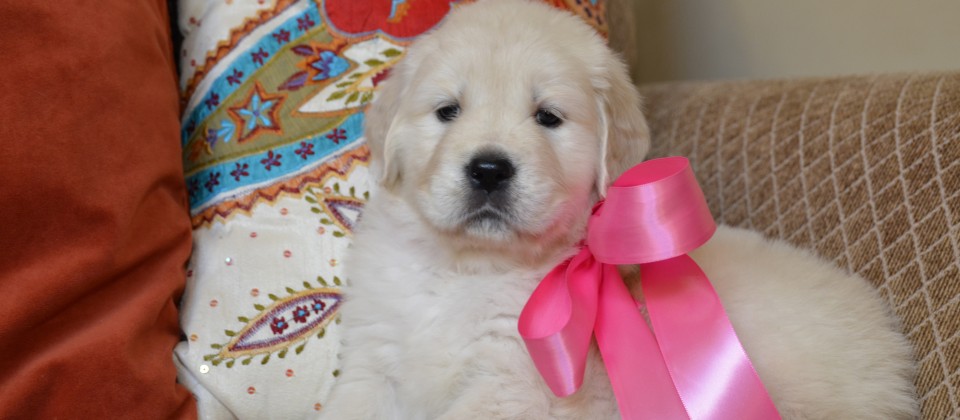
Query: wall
(731, 39)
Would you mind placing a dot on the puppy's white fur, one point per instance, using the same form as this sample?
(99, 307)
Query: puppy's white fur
(430, 318)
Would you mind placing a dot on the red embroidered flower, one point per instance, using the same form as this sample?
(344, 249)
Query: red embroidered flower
(300, 314)
(282, 36)
(306, 149)
(271, 160)
(318, 306)
(379, 77)
(213, 181)
(304, 23)
(212, 101)
(240, 171)
(259, 55)
(337, 135)
(399, 19)
(234, 79)
(194, 187)
(278, 325)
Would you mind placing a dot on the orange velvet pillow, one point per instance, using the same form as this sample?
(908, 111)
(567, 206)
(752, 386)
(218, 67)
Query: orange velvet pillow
(93, 214)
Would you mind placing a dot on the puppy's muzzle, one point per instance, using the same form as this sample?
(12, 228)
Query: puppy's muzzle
(490, 172)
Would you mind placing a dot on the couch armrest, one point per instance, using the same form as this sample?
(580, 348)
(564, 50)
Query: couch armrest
(862, 170)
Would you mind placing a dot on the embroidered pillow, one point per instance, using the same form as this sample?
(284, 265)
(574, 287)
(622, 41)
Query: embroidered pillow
(276, 170)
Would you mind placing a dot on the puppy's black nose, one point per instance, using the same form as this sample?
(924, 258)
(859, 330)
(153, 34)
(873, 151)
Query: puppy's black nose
(489, 172)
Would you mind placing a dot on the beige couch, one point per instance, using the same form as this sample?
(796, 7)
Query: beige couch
(863, 170)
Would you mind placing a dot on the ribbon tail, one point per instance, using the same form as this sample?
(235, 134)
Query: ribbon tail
(557, 322)
(709, 366)
(640, 379)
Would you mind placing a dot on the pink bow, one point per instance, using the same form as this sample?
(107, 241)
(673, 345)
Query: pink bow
(695, 366)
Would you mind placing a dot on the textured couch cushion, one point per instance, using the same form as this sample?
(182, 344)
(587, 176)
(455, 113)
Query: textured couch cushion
(95, 231)
(863, 170)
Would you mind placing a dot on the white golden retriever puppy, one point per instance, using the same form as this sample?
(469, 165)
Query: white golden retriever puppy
(492, 140)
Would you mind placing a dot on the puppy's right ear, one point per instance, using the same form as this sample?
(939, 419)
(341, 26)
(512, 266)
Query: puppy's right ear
(381, 120)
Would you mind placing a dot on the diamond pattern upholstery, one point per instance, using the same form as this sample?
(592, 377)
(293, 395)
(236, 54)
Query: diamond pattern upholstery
(863, 170)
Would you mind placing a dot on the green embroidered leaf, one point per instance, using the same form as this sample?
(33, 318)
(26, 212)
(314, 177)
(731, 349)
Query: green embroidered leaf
(246, 361)
(393, 52)
(307, 285)
(336, 281)
(243, 319)
(291, 291)
(336, 187)
(300, 347)
(323, 331)
(273, 296)
(337, 320)
(230, 363)
(265, 359)
(282, 354)
(336, 373)
(216, 362)
(322, 281)
(310, 199)
(355, 76)
(216, 346)
(366, 195)
(326, 221)
(367, 97)
(373, 62)
(229, 333)
(258, 306)
(338, 234)
(336, 95)
(352, 98)
(209, 357)
(315, 210)
(343, 84)
(353, 192)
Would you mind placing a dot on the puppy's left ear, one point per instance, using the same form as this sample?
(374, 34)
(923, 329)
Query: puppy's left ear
(624, 134)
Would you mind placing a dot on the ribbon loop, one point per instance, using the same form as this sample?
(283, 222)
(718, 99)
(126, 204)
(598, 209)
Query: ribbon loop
(653, 212)
(694, 367)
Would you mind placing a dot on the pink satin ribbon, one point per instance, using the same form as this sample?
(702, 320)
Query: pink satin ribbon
(694, 367)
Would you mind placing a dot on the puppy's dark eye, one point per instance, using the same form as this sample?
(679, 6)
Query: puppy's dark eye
(548, 118)
(448, 113)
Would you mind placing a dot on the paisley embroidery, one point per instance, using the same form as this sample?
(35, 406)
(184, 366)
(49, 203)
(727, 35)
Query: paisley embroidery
(338, 211)
(287, 321)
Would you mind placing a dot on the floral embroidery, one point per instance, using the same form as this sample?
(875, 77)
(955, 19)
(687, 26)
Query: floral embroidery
(305, 23)
(271, 160)
(300, 314)
(379, 77)
(397, 18)
(329, 65)
(337, 135)
(306, 149)
(278, 325)
(258, 114)
(194, 187)
(256, 339)
(234, 79)
(240, 171)
(212, 101)
(337, 210)
(212, 137)
(282, 36)
(213, 181)
(259, 55)
(318, 306)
